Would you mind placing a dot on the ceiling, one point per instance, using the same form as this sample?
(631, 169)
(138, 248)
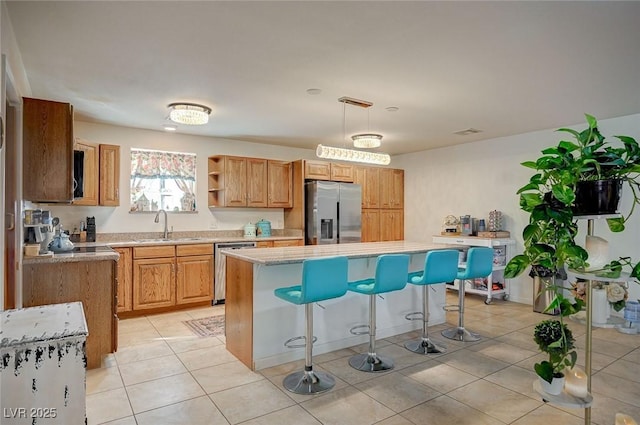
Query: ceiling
(501, 67)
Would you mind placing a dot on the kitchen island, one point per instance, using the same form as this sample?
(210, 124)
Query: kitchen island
(258, 323)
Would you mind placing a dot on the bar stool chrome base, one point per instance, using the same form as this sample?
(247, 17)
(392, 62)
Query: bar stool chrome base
(371, 363)
(308, 382)
(461, 334)
(424, 346)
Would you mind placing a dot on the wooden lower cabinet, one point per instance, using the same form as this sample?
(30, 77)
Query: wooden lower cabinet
(370, 225)
(93, 283)
(154, 283)
(124, 279)
(194, 281)
(166, 276)
(391, 225)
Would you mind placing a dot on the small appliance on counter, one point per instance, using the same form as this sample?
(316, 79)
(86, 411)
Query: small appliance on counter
(91, 229)
(263, 228)
(250, 230)
(61, 242)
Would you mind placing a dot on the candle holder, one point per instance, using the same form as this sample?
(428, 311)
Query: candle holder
(576, 382)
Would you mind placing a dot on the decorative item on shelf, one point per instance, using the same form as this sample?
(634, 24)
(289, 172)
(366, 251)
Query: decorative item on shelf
(631, 318)
(623, 419)
(450, 226)
(576, 382)
(598, 250)
(554, 338)
(365, 140)
(495, 221)
(614, 294)
(189, 113)
(465, 225)
(187, 202)
(143, 204)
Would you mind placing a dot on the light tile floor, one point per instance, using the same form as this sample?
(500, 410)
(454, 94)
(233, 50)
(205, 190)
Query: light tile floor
(164, 374)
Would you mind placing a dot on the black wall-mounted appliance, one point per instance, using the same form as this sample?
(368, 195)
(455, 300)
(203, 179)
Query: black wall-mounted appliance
(78, 174)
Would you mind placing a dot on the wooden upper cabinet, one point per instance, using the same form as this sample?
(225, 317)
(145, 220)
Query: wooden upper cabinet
(47, 150)
(235, 181)
(341, 172)
(317, 170)
(391, 188)
(257, 183)
(89, 173)
(280, 183)
(369, 179)
(245, 182)
(109, 175)
(235, 178)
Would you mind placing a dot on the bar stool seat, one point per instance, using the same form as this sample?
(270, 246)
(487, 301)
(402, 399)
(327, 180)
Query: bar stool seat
(322, 279)
(439, 267)
(391, 275)
(479, 265)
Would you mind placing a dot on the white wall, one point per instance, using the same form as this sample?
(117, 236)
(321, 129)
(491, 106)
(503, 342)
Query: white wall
(118, 219)
(478, 177)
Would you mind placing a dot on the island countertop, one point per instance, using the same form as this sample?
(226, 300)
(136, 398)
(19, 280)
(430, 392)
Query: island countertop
(297, 254)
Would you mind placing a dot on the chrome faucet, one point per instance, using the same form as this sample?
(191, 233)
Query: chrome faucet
(157, 220)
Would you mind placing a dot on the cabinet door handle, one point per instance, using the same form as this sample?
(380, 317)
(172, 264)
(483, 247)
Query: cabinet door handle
(11, 221)
(117, 193)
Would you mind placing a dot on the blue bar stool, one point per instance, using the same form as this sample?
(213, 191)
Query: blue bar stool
(479, 264)
(391, 275)
(322, 279)
(439, 267)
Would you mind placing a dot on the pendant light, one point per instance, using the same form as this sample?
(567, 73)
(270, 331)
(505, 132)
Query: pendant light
(365, 140)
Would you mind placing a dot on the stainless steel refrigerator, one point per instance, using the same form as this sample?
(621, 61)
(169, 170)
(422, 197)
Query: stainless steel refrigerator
(333, 212)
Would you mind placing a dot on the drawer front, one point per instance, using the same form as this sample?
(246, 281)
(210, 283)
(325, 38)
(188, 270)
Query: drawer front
(157, 251)
(196, 249)
(287, 242)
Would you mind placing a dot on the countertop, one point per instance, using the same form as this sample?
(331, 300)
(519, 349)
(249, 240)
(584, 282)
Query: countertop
(112, 255)
(297, 254)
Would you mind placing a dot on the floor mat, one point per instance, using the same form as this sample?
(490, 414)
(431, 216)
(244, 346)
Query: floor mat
(207, 326)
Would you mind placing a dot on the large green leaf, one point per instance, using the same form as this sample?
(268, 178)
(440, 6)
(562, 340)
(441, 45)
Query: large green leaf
(616, 224)
(516, 266)
(563, 194)
(530, 231)
(529, 164)
(568, 146)
(591, 120)
(544, 370)
(529, 201)
(635, 273)
(528, 186)
(569, 130)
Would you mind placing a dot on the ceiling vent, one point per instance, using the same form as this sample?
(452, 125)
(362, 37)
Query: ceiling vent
(467, 132)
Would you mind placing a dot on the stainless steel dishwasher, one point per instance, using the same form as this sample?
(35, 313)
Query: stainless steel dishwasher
(220, 278)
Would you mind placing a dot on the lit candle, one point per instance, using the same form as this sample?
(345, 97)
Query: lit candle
(576, 382)
(622, 419)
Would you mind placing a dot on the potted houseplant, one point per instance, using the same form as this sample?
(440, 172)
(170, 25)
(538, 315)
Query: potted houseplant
(549, 239)
(554, 338)
(550, 199)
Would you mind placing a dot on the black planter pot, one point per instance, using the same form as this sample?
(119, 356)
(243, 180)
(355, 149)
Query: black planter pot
(597, 197)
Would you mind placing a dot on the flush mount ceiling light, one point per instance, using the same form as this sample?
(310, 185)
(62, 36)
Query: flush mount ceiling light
(189, 113)
(365, 140)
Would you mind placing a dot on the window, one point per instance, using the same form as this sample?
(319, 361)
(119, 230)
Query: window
(162, 180)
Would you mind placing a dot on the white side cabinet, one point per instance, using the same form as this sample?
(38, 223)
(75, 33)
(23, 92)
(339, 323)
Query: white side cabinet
(501, 254)
(42, 372)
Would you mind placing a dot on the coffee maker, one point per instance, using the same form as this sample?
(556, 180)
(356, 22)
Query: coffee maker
(42, 234)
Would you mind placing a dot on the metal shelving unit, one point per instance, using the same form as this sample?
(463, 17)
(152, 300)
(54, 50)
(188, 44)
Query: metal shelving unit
(498, 270)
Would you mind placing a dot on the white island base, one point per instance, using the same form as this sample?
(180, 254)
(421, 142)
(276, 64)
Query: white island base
(258, 323)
